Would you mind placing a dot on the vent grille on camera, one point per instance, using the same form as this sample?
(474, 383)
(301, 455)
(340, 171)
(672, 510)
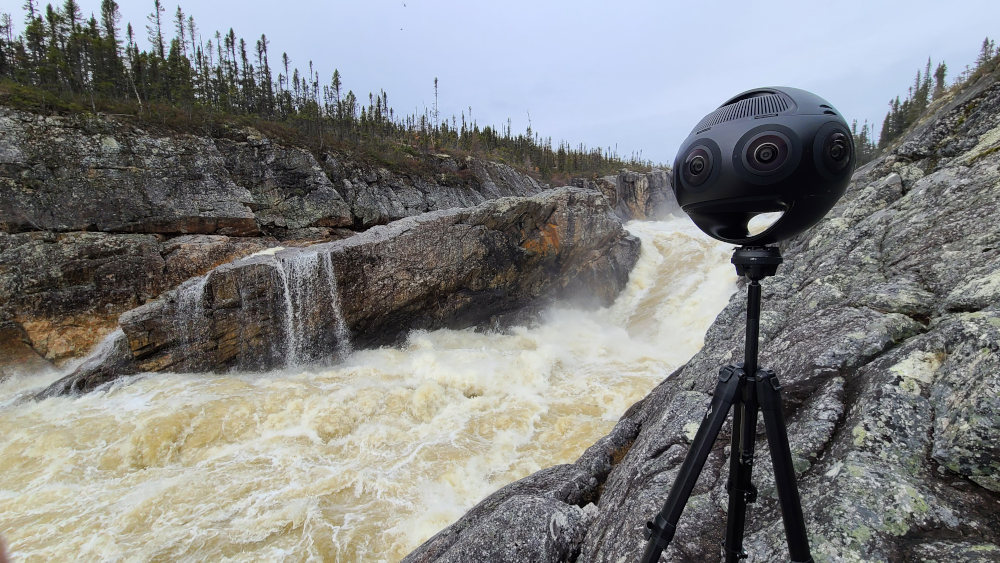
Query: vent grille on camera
(757, 105)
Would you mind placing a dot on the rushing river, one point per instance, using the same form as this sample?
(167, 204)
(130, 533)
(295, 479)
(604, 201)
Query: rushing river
(360, 462)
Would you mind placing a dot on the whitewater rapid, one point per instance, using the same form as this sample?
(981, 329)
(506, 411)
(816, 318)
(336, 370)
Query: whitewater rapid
(359, 462)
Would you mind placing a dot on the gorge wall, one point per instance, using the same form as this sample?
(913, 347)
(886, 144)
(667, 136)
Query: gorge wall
(99, 215)
(452, 268)
(883, 325)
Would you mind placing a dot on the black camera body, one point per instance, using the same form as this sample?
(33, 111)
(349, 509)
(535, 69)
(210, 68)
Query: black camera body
(766, 150)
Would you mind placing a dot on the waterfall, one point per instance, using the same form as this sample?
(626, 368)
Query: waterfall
(343, 334)
(189, 313)
(313, 320)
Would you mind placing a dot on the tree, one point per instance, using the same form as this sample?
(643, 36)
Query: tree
(265, 76)
(155, 29)
(864, 146)
(180, 25)
(6, 44)
(32, 11)
(335, 84)
(985, 53)
(939, 75)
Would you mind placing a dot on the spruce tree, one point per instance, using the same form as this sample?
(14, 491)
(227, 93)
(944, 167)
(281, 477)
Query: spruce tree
(154, 29)
(939, 76)
(985, 53)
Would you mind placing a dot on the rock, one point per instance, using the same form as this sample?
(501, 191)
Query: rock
(16, 354)
(453, 268)
(377, 196)
(67, 289)
(99, 215)
(289, 188)
(80, 173)
(548, 499)
(635, 195)
(882, 324)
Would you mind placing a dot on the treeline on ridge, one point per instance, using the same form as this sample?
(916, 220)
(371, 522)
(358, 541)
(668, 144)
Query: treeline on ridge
(927, 87)
(63, 59)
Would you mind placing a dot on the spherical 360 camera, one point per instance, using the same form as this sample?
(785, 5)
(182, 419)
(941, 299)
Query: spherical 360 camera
(766, 150)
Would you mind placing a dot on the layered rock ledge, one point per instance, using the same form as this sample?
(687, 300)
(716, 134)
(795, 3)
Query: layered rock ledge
(453, 268)
(884, 327)
(99, 214)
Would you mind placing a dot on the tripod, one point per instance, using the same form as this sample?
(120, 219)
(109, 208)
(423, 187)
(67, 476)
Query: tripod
(748, 389)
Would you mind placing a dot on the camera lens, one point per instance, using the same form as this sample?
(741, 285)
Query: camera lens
(697, 167)
(766, 153)
(837, 151)
(838, 146)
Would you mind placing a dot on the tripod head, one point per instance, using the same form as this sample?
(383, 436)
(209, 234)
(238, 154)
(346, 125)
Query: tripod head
(756, 262)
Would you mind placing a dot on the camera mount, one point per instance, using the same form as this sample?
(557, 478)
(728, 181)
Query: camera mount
(764, 151)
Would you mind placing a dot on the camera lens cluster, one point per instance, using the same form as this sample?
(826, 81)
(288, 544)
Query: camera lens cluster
(764, 151)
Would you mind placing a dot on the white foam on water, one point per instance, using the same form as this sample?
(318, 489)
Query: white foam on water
(359, 462)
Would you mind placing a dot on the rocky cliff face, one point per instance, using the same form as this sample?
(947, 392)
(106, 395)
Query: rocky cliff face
(635, 195)
(883, 325)
(98, 215)
(456, 268)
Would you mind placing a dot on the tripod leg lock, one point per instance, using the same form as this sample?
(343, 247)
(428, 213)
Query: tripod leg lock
(727, 372)
(749, 494)
(730, 555)
(660, 531)
(770, 394)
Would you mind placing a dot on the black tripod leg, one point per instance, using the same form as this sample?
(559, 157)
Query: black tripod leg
(769, 394)
(660, 530)
(741, 490)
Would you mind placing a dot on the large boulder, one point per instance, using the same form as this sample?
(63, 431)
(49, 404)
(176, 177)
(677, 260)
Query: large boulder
(883, 325)
(454, 268)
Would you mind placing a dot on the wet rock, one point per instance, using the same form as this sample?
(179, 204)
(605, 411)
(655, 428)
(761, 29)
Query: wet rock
(67, 289)
(16, 354)
(454, 268)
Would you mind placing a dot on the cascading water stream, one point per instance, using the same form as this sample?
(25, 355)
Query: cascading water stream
(308, 280)
(360, 461)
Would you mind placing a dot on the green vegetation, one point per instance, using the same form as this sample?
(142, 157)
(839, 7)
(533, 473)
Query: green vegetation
(64, 62)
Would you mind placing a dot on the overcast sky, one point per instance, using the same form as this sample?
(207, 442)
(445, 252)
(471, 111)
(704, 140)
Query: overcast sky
(633, 74)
